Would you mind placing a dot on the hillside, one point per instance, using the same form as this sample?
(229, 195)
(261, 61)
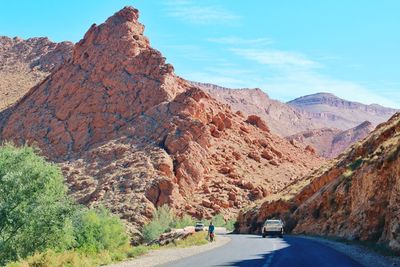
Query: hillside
(355, 196)
(131, 135)
(329, 142)
(282, 119)
(24, 63)
(335, 112)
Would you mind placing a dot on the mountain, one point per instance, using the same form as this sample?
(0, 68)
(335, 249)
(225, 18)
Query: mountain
(355, 196)
(334, 112)
(24, 63)
(329, 142)
(131, 135)
(282, 119)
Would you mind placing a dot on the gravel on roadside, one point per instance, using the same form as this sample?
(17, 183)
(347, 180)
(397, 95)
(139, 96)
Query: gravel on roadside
(162, 256)
(359, 253)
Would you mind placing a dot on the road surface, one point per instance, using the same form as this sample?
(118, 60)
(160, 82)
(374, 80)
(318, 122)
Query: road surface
(252, 251)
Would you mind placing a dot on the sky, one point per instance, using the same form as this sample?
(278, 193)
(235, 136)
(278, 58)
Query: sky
(350, 48)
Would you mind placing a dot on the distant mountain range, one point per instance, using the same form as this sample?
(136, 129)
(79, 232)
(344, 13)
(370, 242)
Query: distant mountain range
(335, 112)
(324, 121)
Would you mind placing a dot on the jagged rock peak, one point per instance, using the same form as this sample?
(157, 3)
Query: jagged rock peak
(128, 13)
(122, 34)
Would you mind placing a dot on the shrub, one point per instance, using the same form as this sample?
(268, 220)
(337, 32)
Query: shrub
(163, 220)
(183, 222)
(230, 225)
(218, 220)
(356, 164)
(97, 230)
(34, 208)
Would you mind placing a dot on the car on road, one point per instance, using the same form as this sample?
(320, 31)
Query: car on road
(199, 227)
(272, 228)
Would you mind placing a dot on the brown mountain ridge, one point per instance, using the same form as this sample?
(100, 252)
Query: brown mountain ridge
(131, 135)
(355, 196)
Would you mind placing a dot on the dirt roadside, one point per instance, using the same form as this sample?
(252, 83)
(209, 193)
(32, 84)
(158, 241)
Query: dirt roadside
(162, 256)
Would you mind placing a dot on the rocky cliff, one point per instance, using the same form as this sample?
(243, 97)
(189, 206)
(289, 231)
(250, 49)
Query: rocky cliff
(334, 112)
(329, 142)
(24, 63)
(356, 196)
(282, 119)
(131, 135)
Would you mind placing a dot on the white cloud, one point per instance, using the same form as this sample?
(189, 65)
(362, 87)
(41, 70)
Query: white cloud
(195, 13)
(276, 58)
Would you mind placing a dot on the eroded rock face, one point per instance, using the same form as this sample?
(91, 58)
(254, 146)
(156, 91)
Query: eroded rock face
(355, 196)
(131, 135)
(24, 63)
(330, 143)
(334, 112)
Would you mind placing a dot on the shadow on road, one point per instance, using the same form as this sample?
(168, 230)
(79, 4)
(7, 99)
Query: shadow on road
(291, 251)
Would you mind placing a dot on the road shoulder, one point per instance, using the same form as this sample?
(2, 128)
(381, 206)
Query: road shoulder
(358, 253)
(163, 256)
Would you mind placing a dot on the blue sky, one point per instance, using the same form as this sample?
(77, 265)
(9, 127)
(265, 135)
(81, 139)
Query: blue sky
(287, 48)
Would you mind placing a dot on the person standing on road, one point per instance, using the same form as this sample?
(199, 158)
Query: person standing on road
(211, 229)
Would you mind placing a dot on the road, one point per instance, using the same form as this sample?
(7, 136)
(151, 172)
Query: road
(252, 250)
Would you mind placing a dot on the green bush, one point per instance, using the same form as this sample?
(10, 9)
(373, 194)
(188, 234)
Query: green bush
(163, 220)
(34, 208)
(183, 222)
(218, 220)
(97, 230)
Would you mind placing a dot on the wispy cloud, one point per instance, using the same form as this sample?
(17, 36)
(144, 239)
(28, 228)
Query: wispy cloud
(276, 58)
(232, 40)
(197, 13)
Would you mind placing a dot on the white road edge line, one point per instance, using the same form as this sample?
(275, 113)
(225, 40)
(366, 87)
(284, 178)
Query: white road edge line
(269, 260)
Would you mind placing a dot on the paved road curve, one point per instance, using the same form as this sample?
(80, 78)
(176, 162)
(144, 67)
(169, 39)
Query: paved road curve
(252, 250)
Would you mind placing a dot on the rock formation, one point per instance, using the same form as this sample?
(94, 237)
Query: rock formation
(329, 142)
(334, 112)
(24, 63)
(355, 196)
(131, 135)
(280, 117)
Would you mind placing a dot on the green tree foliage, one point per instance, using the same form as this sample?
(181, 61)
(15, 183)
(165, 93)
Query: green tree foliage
(34, 208)
(98, 230)
(36, 214)
(163, 220)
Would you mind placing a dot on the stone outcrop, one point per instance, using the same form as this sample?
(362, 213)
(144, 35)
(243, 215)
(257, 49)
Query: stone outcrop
(131, 135)
(24, 63)
(355, 196)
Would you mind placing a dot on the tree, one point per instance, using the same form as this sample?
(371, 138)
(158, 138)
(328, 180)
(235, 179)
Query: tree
(97, 229)
(35, 211)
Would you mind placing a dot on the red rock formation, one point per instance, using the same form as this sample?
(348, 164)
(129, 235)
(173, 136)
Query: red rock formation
(356, 196)
(132, 135)
(24, 63)
(329, 143)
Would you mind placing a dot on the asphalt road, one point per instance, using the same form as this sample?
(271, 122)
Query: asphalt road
(252, 250)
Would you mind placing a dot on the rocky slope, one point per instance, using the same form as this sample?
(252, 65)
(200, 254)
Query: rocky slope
(131, 135)
(355, 196)
(329, 142)
(334, 112)
(24, 63)
(282, 119)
